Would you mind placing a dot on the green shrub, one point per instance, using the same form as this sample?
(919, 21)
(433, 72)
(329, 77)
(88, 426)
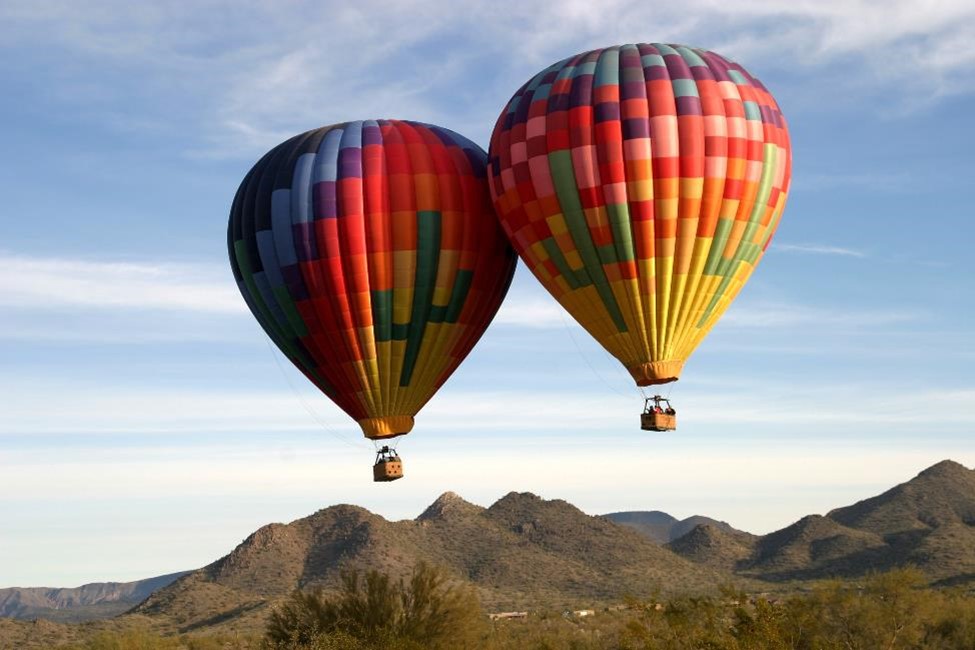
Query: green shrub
(372, 611)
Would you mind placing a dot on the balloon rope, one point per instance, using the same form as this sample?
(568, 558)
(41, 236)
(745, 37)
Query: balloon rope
(307, 406)
(586, 359)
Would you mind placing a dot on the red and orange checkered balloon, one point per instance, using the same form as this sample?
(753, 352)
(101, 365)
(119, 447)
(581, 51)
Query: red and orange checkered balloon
(641, 184)
(369, 253)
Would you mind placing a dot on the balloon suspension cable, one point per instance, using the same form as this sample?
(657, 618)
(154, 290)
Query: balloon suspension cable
(388, 443)
(586, 359)
(324, 425)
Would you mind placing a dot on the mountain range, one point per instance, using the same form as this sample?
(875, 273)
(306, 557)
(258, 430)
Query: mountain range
(77, 604)
(521, 552)
(928, 522)
(525, 552)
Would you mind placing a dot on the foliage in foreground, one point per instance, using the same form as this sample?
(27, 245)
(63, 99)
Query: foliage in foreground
(886, 611)
(139, 639)
(892, 611)
(373, 611)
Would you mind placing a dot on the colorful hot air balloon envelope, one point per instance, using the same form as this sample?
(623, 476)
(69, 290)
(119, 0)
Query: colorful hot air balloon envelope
(370, 254)
(641, 185)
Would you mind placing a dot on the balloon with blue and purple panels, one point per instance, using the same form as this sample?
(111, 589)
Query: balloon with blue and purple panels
(641, 185)
(370, 255)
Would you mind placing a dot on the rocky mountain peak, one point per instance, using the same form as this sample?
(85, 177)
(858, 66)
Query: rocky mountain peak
(449, 504)
(947, 469)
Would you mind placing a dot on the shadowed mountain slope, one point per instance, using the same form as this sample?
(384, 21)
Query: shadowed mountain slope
(715, 546)
(662, 527)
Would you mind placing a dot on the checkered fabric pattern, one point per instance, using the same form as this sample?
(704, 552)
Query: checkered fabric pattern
(370, 254)
(641, 184)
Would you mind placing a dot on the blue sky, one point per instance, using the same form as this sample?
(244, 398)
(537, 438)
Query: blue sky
(146, 426)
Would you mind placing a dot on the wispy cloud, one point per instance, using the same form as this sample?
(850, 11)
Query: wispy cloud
(119, 409)
(795, 316)
(161, 300)
(52, 283)
(77, 300)
(70, 299)
(922, 46)
(818, 249)
(847, 406)
(269, 73)
(120, 326)
(241, 460)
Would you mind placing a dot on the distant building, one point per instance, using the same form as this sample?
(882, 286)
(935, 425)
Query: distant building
(579, 613)
(500, 616)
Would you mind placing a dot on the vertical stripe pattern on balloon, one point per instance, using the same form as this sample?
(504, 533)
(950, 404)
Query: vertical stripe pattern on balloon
(641, 185)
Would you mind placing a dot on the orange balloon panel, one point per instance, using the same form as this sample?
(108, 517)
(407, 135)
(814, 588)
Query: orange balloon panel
(641, 184)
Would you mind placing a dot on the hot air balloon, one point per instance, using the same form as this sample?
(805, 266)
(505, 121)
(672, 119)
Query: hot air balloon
(369, 253)
(641, 185)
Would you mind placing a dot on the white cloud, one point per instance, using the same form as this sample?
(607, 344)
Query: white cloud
(51, 283)
(533, 312)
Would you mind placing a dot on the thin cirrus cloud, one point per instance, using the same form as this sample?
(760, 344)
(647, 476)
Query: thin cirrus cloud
(819, 249)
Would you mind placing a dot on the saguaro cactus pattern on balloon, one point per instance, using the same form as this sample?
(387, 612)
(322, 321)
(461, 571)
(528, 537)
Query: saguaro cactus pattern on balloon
(370, 254)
